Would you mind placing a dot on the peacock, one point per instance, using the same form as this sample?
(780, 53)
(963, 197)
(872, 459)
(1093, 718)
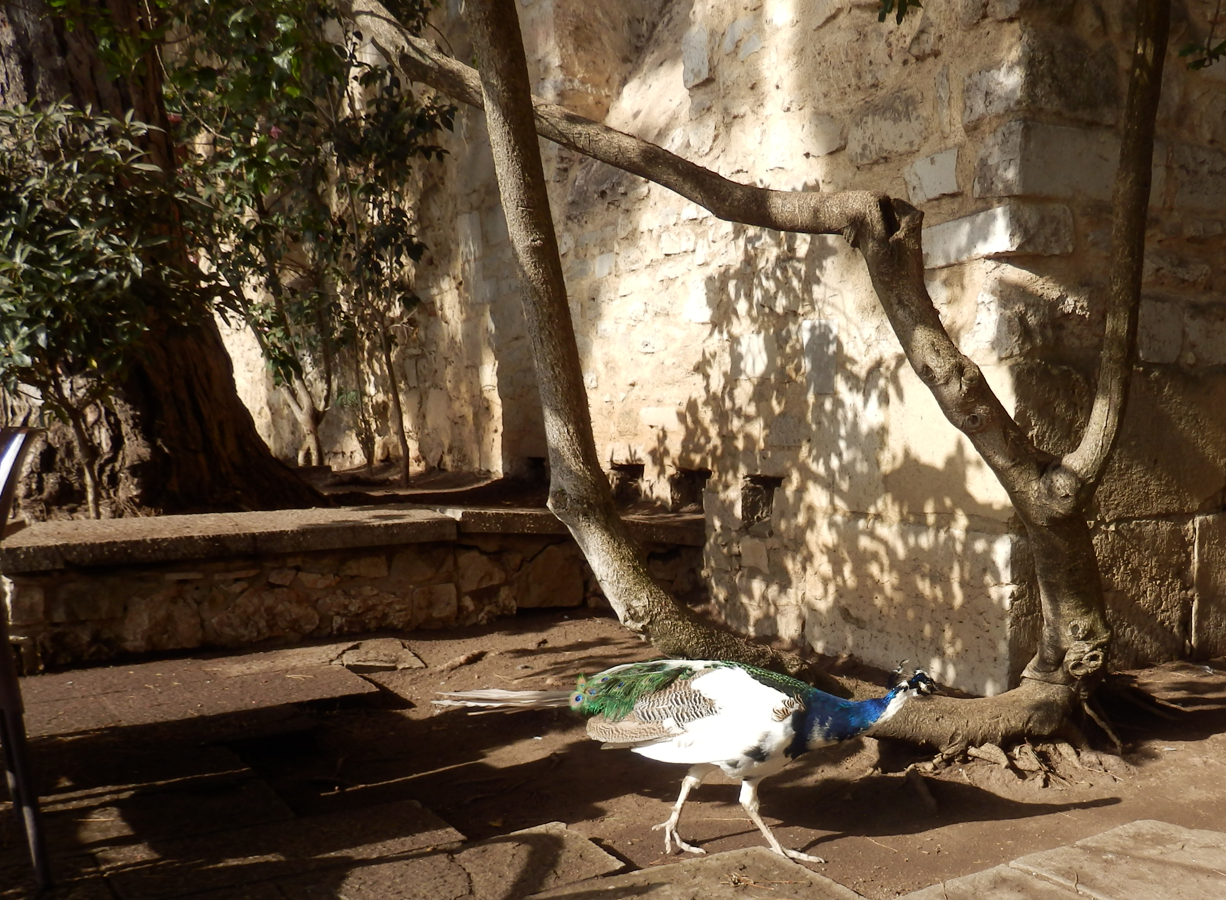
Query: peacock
(710, 714)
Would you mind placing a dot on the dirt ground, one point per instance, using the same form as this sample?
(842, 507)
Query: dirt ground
(882, 836)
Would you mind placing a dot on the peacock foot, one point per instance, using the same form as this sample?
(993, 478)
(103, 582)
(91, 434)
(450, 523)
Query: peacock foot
(671, 837)
(802, 857)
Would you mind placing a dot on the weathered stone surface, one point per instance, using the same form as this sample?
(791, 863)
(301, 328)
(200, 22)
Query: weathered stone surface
(933, 176)
(435, 605)
(887, 128)
(1159, 330)
(141, 539)
(1200, 173)
(534, 859)
(380, 655)
(1008, 230)
(247, 855)
(553, 578)
(25, 601)
(1044, 160)
(1145, 860)
(1147, 579)
(1055, 71)
(721, 876)
(999, 883)
(1209, 576)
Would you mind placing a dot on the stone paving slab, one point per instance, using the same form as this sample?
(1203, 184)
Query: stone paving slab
(76, 877)
(999, 883)
(1144, 860)
(723, 876)
(86, 820)
(280, 850)
(509, 867)
(170, 690)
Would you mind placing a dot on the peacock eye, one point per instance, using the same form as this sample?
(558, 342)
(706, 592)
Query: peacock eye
(578, 698)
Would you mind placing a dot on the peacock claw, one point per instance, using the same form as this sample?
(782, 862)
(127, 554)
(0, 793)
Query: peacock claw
(802, 857)
(671, 836)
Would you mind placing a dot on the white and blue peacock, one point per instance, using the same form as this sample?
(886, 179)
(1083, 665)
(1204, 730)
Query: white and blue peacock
(710, 715)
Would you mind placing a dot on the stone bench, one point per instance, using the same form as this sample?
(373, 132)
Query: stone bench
(83, 591)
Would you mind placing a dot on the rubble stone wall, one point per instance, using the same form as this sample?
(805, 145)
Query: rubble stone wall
(150, 601)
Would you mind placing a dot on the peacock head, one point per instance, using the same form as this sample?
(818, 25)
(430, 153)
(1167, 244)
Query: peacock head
(920, 684)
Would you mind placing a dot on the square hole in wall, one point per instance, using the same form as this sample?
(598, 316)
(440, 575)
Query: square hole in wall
(758, 498)
(627, 482)
(685, 488)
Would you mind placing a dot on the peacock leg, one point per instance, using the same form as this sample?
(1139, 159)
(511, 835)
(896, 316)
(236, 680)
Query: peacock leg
(692, 779)
(749, 802)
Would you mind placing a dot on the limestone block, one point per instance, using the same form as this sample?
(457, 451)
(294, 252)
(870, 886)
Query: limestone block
(435, 605)
(282, 576)
(695, 57)
(784, 430)
(754, 355)
(90, 600)
(887, 128)
(1167, 461)
(929, 467)
(1147, 574)
(1052, 70)
(365, 567)
(553, 578)
(1040, 159)
(1209, 579)
(25, 601)
(291, 614)
(165, 620)
(933, 176)
(1159, 330)
(822, 135)
(754, 555)
(1201, 176)
(820, 340)
(1205, 334)
(477, 570)
(1012, 229)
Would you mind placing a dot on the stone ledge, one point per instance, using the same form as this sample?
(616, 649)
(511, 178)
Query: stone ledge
(47, 546)
(676, 529)
(1012, 229)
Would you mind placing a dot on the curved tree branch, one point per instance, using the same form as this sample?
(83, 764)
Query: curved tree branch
(1130, 205)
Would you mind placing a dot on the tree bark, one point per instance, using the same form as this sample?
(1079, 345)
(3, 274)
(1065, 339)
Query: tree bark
(189, 443)
(579, 493)
(1051, 494)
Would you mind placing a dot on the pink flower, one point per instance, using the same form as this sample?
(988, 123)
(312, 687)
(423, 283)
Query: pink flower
(275, 133)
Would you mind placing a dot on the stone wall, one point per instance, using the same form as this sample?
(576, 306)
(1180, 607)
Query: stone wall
(80, 594)
(842, 509)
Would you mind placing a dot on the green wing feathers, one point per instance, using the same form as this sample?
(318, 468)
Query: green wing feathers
(614, 692)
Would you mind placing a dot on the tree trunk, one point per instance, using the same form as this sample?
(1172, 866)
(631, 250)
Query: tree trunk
(189, 443)
(1051, 494)
(579, 492)
(402, 437)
